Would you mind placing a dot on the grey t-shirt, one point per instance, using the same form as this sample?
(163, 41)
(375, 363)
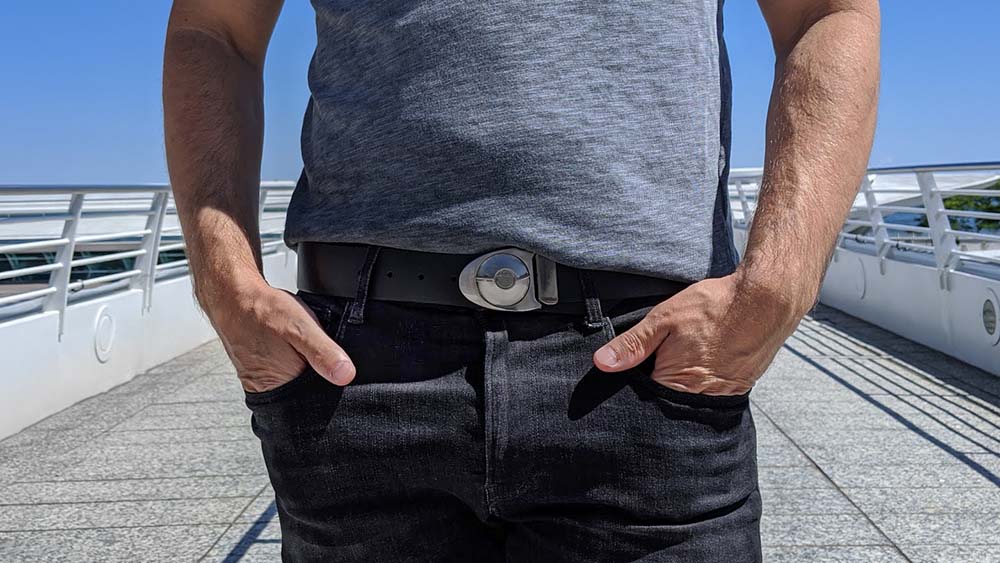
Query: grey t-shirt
(593, 132)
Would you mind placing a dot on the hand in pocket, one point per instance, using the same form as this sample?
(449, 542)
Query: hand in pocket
(717, 337)
(271, 336)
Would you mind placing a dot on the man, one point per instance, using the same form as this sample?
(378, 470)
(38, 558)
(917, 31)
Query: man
(521, 332)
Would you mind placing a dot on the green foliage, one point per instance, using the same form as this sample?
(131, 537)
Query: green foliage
(974, 203)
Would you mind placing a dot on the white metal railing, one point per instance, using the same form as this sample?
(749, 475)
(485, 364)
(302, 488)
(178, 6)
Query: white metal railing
(138, 221)
(918, 193)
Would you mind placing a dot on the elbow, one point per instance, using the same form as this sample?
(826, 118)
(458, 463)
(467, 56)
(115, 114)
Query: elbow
(863, 15)
(189, 44)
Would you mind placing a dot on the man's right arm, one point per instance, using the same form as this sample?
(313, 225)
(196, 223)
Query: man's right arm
(214, 125)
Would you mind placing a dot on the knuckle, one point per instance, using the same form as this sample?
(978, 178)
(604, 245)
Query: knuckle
(296, 329)
(658, 315)
(631, 344)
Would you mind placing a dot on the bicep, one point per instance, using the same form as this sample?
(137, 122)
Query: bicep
(244, 24)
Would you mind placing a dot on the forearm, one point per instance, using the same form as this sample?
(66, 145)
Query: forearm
(213, 124)
(820, 125)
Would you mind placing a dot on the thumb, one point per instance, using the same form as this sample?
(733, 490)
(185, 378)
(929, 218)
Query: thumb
(326, 356)
(631, 347)
(315, 345)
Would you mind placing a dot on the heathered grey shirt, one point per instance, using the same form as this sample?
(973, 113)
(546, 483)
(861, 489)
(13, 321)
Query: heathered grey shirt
(593, 132)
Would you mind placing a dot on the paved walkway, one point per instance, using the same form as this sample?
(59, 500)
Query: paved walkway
(872, 449)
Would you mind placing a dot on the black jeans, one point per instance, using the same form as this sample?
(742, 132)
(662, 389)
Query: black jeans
(479, 436)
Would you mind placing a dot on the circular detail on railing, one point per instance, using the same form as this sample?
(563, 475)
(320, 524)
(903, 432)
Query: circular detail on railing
(989, 316)
(104, 334)
(859, 285)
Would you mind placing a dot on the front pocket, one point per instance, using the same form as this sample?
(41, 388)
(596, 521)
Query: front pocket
(642, 373)
(694, 400)
(330, 313)
(261, 397)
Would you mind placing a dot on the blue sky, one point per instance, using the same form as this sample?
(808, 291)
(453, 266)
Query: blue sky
(80, 97)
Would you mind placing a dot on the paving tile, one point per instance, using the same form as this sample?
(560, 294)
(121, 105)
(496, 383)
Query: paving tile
(792, 477)
(196, 409)
(965, 412)
(866, 333)
(120, 514)
(988, 464)
(947, 475)
(132, 489)
(265, 551)
(188, 415)
(780, 456)
(29, 447)
(881, 376)
(802, 392)
(882, 439)
(768, 435)
(169, 422)
(812, 530)
(249, 541)
(95, 414)
(261, 509)
(957, 425)
(806, 501)
(943, 529)
(127, 545)
(240, 432)
(928, 500)
(214, 387)
(817, 341)
(821, 416)
(145, 461)
(833, 554)
(918, 453)
(946, 366)
(952, 553)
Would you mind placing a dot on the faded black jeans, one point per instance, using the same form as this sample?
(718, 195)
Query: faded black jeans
(479, 436)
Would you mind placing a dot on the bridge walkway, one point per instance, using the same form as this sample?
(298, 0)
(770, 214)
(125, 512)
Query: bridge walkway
(871, 449)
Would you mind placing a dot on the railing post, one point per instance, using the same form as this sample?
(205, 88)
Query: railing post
(59, 278)
(875, 218)
(942, 241)
(744, 205)
(260, 206)
(146, 262)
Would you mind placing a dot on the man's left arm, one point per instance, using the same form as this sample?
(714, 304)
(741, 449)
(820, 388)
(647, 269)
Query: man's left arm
(719, 335)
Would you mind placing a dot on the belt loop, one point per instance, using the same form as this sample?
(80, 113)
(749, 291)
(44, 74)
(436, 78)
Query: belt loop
(357, 313)
(595, 317)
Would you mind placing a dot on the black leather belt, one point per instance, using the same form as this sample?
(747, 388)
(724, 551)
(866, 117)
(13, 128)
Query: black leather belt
(482, 281)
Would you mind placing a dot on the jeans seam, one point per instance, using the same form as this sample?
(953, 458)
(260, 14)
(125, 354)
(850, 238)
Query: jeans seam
(342, 325)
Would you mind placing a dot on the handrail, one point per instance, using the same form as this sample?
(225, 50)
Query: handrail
(147, 209)
(948, 167)
(952, 167)
(156, 229)
(867, 223)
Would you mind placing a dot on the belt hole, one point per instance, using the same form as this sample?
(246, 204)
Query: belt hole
(420, 277)
(454, 278)
(388, 274)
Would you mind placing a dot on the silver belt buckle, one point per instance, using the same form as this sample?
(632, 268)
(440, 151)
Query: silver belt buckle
(510, 279)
